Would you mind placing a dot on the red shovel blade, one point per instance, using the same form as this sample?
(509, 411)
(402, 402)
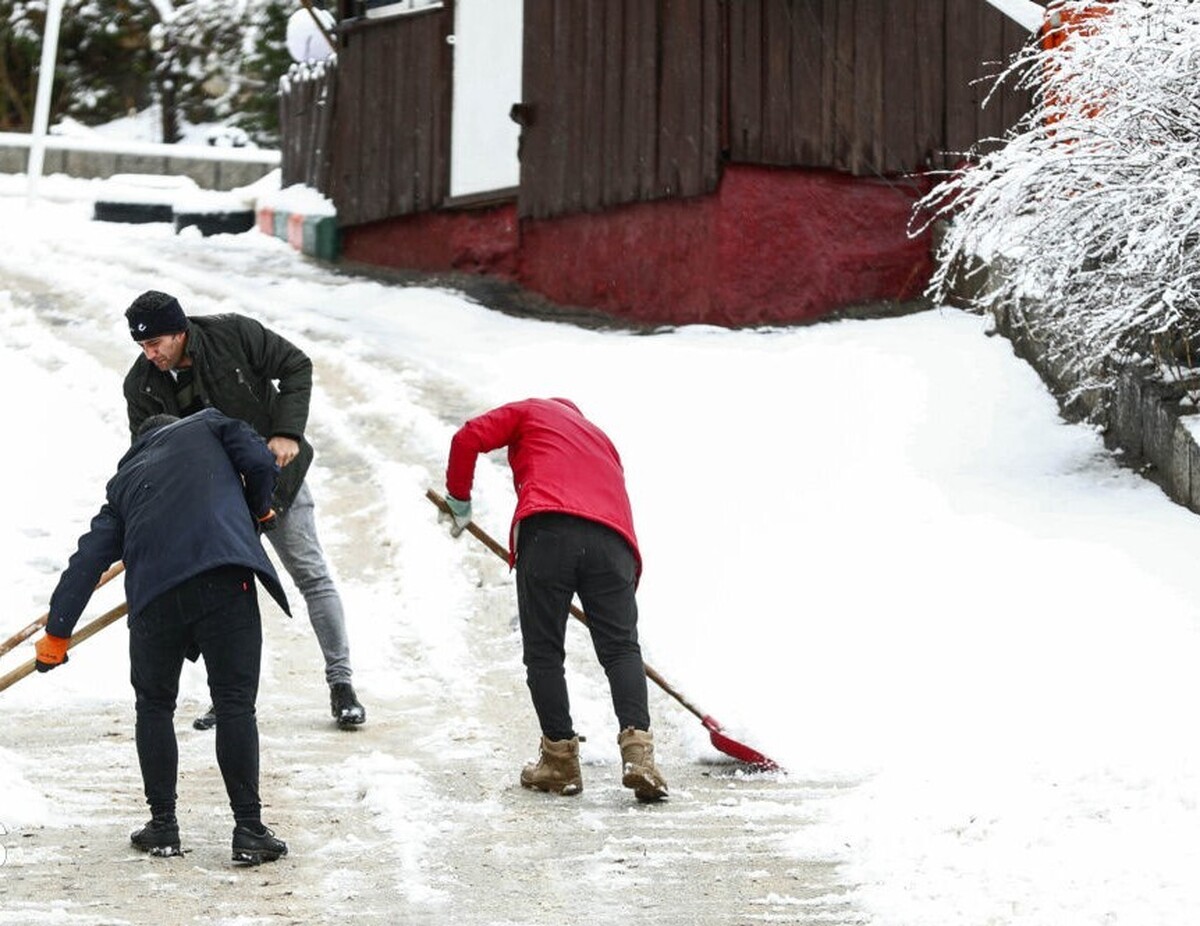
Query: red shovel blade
(739, 751)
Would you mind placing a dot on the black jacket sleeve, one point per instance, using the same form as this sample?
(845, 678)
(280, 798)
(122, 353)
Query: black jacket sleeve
(279, 359)
(98, 549)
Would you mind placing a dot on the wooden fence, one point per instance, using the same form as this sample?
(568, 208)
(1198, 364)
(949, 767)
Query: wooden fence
(306, 110)
(372, 132)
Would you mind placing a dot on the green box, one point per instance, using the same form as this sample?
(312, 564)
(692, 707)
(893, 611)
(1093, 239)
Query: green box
(321, 237)
(281, 220)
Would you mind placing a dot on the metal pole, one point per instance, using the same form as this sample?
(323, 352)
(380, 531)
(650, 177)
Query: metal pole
(41, 110)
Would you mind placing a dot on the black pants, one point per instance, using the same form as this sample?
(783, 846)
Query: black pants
(215, 614)
(559, 556)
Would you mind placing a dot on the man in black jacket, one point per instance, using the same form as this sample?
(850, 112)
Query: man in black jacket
(181, 512)
(232, 363)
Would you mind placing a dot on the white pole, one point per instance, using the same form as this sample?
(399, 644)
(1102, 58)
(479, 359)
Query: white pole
(1025, 12)
(41, 109)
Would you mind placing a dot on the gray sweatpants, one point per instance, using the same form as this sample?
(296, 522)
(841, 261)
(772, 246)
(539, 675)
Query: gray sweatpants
(295, 542)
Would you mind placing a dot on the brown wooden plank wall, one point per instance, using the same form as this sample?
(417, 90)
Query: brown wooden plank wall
(867, 86)
(391, 148)
(625, 102)
(634, 100)
(970, 79)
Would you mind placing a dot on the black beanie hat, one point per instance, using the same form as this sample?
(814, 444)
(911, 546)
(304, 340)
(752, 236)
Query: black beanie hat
(154, 314)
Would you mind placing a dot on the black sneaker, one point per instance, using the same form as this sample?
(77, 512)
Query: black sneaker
(255, 844)
(158, 837)
(207, 720)
(345, 707)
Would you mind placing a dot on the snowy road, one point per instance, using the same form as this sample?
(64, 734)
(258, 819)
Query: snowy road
(417, 817)
(873, 549)
(400, 822)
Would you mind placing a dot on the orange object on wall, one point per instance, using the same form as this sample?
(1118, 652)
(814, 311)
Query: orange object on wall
(1062, 24)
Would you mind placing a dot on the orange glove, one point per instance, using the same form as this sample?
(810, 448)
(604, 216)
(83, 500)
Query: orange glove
(268, 522)
(51, 652)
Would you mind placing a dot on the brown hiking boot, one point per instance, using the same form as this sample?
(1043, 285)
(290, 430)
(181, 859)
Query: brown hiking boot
(639, 771)
(557, 768)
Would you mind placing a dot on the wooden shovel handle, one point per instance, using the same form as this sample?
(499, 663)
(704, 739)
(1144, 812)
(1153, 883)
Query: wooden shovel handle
(482, 536)
(78, 637)
(26, 632)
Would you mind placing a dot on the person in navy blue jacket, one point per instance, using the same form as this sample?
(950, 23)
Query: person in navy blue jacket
(185, 511)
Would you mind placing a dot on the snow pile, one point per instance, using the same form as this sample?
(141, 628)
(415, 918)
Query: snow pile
(297, 199)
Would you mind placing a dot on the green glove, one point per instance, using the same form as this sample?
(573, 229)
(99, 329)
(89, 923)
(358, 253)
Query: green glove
(460, 513)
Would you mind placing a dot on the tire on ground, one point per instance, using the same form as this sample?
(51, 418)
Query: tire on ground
(131, 212)
(216, 223)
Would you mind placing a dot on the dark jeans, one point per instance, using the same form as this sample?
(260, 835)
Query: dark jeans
(216, 615)
(558, 556)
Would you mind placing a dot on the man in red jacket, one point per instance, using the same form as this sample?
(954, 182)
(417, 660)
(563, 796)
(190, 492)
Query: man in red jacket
(572, 533)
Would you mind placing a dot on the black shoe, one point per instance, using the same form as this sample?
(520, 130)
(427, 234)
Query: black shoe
(207, 720)
(255, 844)
(158, 837)
(345, 707)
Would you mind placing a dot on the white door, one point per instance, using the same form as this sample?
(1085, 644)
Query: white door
(487, 81)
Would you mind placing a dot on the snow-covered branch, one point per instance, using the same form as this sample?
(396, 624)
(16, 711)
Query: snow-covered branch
(1089, 212)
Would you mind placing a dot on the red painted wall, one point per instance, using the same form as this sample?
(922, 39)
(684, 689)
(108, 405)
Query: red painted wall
(795, 245)
(475, 241)
(771, 246)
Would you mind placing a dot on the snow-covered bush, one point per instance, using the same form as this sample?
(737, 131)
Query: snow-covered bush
(224, 59)
(103, 66)
(198, 61)
(1088, 215)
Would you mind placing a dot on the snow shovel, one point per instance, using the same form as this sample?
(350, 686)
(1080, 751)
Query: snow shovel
(76, 638)
(26, 632)
(720, 740)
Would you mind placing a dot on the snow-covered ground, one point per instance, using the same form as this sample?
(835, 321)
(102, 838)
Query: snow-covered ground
(873, 551)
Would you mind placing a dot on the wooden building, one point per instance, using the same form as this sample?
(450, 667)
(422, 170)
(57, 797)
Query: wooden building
(729, 162)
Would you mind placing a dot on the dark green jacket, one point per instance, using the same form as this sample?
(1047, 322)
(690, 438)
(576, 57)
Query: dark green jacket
(235, 364)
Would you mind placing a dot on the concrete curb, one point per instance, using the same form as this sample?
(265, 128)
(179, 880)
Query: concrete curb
(1147, 422)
